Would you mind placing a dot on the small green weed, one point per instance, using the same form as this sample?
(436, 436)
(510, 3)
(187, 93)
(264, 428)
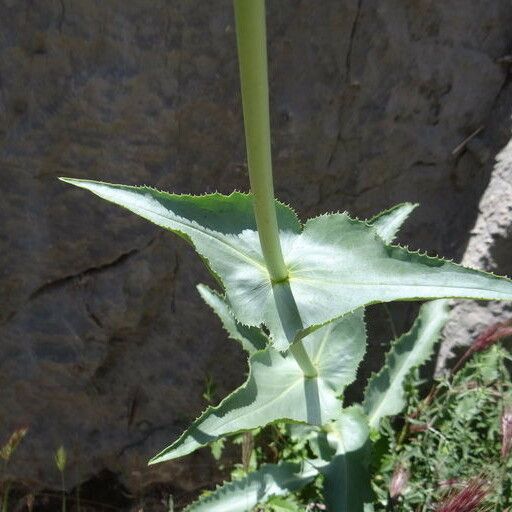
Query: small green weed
(61, 460)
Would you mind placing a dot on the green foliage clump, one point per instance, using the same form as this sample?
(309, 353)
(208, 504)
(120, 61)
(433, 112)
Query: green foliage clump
(452, 439)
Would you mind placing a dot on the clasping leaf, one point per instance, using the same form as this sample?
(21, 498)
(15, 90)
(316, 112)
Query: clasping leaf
(277, 389)
(336, 264)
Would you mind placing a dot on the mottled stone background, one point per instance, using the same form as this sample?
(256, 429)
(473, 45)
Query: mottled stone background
(105, 345)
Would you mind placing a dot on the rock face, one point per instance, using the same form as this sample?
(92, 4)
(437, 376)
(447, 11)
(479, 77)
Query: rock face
(489, 248)
(105, 346)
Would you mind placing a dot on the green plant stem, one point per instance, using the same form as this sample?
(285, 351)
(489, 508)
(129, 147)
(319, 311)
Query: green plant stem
(63, 491)
(252, 53)
(301, 356)
(5, 500)
(7, 488)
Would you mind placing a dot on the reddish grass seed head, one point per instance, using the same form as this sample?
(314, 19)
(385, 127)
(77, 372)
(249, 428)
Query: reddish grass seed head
(399, 481)
(469, 499)
(506, 431)
(491, 336)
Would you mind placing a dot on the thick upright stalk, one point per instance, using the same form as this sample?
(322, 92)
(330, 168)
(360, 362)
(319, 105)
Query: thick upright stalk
(252, 53)
(301, 356)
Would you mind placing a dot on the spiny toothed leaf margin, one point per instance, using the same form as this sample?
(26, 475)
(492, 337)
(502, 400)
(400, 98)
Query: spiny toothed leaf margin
(384, 394)
(256, 488)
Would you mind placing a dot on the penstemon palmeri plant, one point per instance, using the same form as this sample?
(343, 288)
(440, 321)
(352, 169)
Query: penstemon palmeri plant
(293, 295)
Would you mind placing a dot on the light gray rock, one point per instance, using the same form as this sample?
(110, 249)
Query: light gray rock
(104, 343)
(489, 248)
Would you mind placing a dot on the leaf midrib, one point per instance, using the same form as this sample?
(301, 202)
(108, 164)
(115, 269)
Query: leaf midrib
(389, 285)
(328, 331)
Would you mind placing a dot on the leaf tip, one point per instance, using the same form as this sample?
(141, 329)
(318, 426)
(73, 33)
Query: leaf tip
(66, 179)
(157, 459)
(75, 181)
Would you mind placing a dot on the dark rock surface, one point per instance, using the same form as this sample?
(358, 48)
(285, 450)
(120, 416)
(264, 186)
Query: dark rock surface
(105, 345)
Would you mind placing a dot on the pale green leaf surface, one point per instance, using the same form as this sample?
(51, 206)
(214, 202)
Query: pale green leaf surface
(388, 222)
(277, 389)
(336, 264)
(221, 228)
(347, 476)
(384, 395)
(346, 482)
(250, 338)
(331, 275)
(185, 213)
(256, 488)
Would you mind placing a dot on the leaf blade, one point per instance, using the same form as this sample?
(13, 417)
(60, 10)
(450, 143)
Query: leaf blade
(332, 276)
(276, 388)
(384, 395)
(226, 214)
(388, 222)
(256, 488)
(347, 476)
(250, 338)
(336, 264)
